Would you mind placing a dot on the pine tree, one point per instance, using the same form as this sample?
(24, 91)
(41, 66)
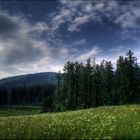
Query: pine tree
(121, 84)
(127, 79)
(109, 83)
(94, 84)
(88, 93)
(59, 93)
(133, 78)
(77, 73)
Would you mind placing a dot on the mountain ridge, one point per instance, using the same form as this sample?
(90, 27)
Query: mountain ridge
(30, 79)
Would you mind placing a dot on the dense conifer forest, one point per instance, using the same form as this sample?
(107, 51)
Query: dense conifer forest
(92, 85)
(26, 95)
(82, 86)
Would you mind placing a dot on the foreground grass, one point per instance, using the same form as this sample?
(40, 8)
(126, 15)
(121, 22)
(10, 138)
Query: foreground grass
(19, 110)
(103, 123)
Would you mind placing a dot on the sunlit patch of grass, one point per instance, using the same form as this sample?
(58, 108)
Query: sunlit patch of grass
(100, 123)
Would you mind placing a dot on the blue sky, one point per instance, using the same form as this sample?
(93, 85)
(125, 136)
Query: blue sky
(39, 36)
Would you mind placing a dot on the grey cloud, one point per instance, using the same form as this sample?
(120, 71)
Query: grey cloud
(22, 54)
(23, 51)
(17, 44)
(7, 25)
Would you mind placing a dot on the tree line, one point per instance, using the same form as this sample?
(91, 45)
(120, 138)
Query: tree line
(82, 86)
(91, 85)
(31, 95)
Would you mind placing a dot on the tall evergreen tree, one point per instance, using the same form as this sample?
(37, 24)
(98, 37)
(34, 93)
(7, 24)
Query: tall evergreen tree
(133, 78)
(109, 83)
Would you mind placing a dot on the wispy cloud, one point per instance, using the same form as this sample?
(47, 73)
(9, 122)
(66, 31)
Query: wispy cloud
(77, 22)
(81, 12)
(87, 54)
(79, 42)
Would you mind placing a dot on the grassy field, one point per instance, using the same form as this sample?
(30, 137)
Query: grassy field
(122, 122)
(19, 110)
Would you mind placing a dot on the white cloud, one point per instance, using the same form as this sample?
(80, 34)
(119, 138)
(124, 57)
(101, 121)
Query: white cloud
(99, 5)
(88, 8)
(78, 21)
(127, 20)
(88, 54)
(81, 12)
(40, 27)
(130, 14)
(63, 16)
(70, 3)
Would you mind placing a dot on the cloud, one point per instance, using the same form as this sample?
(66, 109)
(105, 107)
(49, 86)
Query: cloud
(114, 53)
(62, 17)
(130, 18)
(22, 49)
(88, 54)
(79, 42)
(17, 45)
(40, 27)
(99, 54)
(75, 14)
(7, 25)
(77, 22)
(27, 47)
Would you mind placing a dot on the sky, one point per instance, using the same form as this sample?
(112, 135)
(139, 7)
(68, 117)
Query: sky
(41, 36)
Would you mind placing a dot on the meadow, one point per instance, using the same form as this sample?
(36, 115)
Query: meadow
(7, 111)
(120, 122)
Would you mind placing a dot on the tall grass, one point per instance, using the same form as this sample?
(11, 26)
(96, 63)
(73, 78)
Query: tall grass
(121, 122)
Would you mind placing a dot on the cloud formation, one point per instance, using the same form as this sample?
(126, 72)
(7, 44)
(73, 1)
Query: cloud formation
(29, 47)
(21, 47)
(17, 45)
(125, 14)
(88, 54)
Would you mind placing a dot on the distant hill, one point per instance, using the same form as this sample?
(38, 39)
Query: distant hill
(30, 79)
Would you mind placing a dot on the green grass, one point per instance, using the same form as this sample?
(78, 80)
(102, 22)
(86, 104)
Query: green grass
(19, 110)
(122, 122)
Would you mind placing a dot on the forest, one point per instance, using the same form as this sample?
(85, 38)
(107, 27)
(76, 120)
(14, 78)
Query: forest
(83, 86)
(92, 85)
(26, 95)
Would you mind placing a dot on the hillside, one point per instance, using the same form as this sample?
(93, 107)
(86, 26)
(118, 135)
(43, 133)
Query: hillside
(30, 79)
(103, 123)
